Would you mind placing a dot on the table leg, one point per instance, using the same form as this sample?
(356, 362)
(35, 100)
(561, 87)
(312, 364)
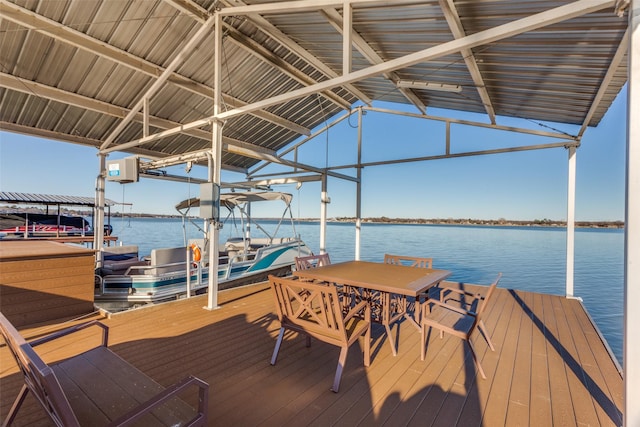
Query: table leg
(386, 319)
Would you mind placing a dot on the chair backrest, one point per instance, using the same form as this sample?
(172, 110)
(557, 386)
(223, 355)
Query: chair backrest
(38, 376)
(312, 261)
(309, 307)
(487, 297)
(410, 261)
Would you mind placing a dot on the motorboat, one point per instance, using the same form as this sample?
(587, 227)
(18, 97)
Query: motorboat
(126, 280)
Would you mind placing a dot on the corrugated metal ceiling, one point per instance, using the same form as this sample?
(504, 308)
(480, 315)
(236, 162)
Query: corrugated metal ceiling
(72, 69)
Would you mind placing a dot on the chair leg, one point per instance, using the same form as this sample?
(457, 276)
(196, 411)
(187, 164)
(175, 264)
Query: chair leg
(277, 347)
(483, 329)
(16, 405)
(342, 361)
(423, 341)
(476, 360)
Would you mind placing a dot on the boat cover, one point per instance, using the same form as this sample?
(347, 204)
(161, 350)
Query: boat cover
(231, 200)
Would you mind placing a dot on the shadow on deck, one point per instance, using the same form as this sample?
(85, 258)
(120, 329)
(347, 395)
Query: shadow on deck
(549, 368)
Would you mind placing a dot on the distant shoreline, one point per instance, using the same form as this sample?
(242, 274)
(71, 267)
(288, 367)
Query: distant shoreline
(435, 221)
(378, 220)
(487, 222)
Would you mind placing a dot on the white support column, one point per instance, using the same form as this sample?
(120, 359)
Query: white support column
(214, 167)
(631, 353)
(324, 201)
(571, 219)
(359, 188)
(98, 215)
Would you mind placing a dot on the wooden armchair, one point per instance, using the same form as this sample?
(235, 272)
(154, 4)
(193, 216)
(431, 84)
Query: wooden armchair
(312, 261)
(315, 310)
(456, 321)
(98, 387)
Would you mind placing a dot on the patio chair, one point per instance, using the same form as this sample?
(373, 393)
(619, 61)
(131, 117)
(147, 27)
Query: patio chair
(461, 301)
(411, 261)
(312, 261)
(314, 310)
(455, 321)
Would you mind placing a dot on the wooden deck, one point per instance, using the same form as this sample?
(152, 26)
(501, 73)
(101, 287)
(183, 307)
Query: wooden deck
(550, 367)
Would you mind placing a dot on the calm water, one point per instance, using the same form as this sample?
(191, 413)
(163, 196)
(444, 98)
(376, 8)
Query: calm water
(531, 259)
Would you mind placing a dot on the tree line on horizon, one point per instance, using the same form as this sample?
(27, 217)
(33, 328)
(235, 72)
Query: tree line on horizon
(545, 222)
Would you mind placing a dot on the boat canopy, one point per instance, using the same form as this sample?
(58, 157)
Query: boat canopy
(231, 200)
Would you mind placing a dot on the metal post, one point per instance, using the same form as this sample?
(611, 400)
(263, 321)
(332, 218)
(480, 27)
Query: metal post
(324, 200)
(188, 258)
(98, 226)
(359, 187)
(571, 218)
(631, 353)
(214, 169)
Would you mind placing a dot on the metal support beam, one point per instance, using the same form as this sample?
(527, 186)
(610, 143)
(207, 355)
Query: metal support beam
(631, 352)
(272, 31)
(359, 188)
(372, 56)
(501, 32)
(324, 201)
(265, 55)
(606, 81)
(565, 144)
(455, 24)
(571, 219)
(215, 166)
(292, 6)
(98, 224)
(161, 80)
(58, 31)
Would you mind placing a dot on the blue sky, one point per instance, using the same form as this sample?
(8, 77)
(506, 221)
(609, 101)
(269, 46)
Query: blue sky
(521, 186)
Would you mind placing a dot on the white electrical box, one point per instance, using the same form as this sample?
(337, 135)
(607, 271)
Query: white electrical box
(123, 170)
(210, 201)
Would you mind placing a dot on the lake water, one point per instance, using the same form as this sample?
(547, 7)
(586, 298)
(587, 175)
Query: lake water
(531, 259)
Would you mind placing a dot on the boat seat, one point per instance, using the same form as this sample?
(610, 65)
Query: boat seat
(119, 251)
(118, 259)
(167, 260)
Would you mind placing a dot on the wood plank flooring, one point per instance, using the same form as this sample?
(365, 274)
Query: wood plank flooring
(550, 367)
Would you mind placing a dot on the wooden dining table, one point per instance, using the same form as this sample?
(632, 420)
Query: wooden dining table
(385, 286)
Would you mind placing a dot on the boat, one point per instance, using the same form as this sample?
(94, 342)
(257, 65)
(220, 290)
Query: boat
(126, 280)
(24, 224)
(39, 225)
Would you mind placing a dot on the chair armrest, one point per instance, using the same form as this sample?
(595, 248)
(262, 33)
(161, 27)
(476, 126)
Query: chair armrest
(201, 418)
(357, 309)
(463, 292)
(72, 329)
(449, 307)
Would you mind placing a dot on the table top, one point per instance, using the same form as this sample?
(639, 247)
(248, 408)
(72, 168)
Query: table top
(397, 279)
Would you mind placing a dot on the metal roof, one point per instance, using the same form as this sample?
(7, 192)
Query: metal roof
(49, 199)
(73, 69)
